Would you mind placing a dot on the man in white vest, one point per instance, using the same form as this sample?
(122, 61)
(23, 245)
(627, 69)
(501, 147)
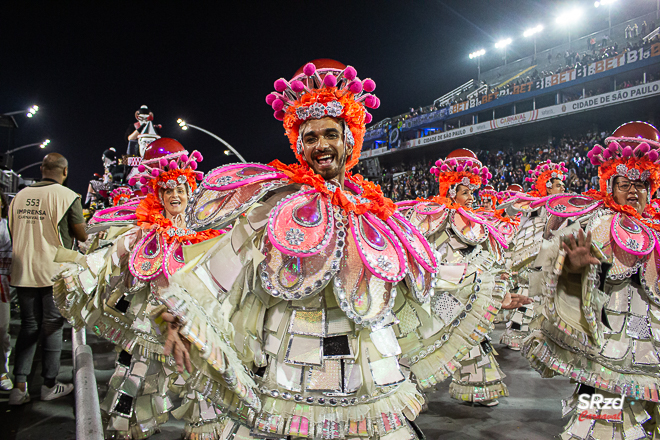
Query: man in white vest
(42, 217)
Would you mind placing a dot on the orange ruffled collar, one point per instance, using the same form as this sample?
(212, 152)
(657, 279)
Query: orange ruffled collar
(149, 215)
(609, 202)
(378, 204)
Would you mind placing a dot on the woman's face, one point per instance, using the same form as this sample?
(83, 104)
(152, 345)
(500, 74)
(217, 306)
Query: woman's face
(464, 196)
(175, 200)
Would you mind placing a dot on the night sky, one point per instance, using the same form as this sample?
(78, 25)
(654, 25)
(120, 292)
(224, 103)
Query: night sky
(89, 66)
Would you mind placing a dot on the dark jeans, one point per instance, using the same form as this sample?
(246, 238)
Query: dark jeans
(40, 317)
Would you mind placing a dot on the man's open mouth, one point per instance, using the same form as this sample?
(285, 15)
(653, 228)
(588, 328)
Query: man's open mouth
(324, 160)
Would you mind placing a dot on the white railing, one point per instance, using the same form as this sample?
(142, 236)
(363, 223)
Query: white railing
(88, 410)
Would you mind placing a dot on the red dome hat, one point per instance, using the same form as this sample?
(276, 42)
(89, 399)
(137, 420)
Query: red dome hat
(166, 164)
(632, 152)
(461, 167)
(324, 88)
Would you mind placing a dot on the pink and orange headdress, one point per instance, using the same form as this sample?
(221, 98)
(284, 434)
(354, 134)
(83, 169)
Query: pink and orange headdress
(320, 89)
(460, 168)
(488, 192)
(166, 164)
(121, 195)
(632, 152)
(542, 176)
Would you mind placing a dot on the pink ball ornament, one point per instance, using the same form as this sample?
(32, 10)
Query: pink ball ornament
(468, 163)
(309, 69)
(144, 190)
(277, 105)
(155, 173)
(368, 118)
(652, 155)
(444, 167)
(162, 162)
(489, 176)
(141, 168)
(330, 80)
(173, 165)
(350, 73)
(459, 168)
(297, 86)
(613, 147)
(132, 181)
(279, 115)
(270, 98)
(199, 175)
(597, 150)
(369, 85)
(377, 103)
(439, 162)
(143, 180)
(370, 101)
(627, 152)
(184, 158)
(475, 170)
(607, 154)
(355, 87)
(197, 156)
(644, 147)
(280, 85)
(193, 165)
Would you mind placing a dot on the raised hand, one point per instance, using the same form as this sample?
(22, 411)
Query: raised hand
(176, 346)
(578, 253)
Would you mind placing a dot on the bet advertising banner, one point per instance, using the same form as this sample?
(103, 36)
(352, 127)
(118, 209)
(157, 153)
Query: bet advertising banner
(580, 105)
(629, 57)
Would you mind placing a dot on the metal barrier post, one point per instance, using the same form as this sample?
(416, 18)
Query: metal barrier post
(88, 411)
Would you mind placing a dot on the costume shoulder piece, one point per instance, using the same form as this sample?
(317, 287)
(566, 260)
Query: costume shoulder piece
(571, 205)
(228, 191)
(122, 215)
(427, 216)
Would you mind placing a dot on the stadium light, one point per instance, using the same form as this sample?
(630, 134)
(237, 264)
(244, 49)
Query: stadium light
(30, 112)
(503, 44)
(531, 32)
(567, 19)
(36, 144)
(478, 54)
(182, 124)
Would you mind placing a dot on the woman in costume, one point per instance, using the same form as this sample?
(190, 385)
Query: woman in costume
(309, 276)
(111, 291)
(600, 324)
(470, 285)
(547, 180)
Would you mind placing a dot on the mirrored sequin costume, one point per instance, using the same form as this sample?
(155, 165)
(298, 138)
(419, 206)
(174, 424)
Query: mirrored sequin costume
(468, 289)
(110, 290)
(601, 326)
(311, 279)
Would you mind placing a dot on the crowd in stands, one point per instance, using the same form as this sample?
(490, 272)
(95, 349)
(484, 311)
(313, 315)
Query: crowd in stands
(410, 180)
(568, 60)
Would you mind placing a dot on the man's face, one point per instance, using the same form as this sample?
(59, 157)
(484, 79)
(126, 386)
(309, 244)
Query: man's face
(323, 147)
(632, 193)
(464, 196)
(557, 187)
(486, 202)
